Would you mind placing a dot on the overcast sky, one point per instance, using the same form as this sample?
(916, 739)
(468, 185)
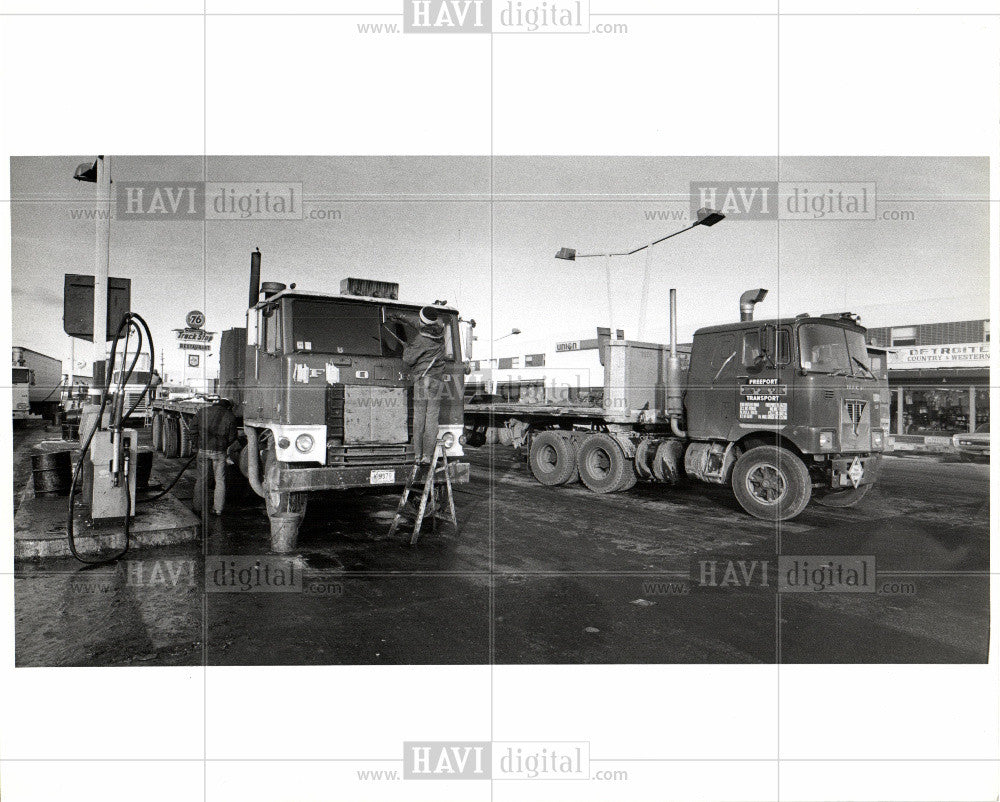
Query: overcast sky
(427, 222)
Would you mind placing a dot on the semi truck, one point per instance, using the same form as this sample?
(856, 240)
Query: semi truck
(136, 384)
(782, 411)
(318, 386)
(37, 381)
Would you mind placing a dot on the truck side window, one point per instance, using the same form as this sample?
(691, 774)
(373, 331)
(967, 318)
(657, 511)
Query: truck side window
(272, 330)
(784, 346)
(751, 349)
(449, 339)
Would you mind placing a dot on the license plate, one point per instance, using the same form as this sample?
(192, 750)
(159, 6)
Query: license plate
(382, 478)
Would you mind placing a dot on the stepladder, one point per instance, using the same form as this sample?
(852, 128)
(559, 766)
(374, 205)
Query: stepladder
(437, 502)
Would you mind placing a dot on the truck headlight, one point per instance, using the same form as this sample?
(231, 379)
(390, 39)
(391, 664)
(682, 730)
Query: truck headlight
(448, 438)
(826, 441)
(304, 443)
(878, 439)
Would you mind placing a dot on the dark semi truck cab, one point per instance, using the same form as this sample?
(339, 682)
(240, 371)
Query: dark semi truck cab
(325, 401)
(803, 386)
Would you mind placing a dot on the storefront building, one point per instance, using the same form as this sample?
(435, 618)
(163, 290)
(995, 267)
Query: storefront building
(939, 375)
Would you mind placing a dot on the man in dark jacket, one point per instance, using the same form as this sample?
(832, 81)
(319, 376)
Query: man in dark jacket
(423, 358)
(213, 433)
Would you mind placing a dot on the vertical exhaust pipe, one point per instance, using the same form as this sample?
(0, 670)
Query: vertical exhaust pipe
(254, 279)
(673, 322)
(748, 301)
(675, 397)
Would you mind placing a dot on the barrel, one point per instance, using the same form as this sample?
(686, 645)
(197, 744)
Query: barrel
(51, 473)
(144, 468)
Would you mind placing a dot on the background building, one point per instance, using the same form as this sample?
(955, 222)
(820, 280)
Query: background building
(939, 374)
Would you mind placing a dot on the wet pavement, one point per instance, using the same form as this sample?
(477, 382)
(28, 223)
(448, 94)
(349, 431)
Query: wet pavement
(533, 575)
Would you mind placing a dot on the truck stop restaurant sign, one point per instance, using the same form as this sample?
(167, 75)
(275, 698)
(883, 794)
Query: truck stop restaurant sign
(194, 339)
(952, 355)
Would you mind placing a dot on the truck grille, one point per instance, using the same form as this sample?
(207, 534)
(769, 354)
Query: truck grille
(856, 425)
(334, 417)
(376, 454)
(361, 419)
(131, 398)
(854, 412)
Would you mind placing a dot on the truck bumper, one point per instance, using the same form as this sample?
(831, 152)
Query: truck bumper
(295, 480)
(871, 464)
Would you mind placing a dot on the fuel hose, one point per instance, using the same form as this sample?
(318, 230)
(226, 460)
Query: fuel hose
(131, 323)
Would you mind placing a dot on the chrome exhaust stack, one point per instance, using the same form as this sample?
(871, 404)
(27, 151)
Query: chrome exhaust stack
(748, 301)
(675, 396)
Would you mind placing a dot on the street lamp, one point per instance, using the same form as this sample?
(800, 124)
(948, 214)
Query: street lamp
(704, 217)
(505, 336)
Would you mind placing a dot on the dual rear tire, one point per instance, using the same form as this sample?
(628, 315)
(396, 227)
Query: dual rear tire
(552, 458)
(600, 462)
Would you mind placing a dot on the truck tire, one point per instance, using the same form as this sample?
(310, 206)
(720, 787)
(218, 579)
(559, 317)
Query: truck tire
(771, 483)
(184, 439)
(279, 502)
(157, 431)
(171, 438)
(552, 459)
(603, 466)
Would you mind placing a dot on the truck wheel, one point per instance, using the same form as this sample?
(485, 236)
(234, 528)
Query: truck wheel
(157, 431)
(843, 498)
(771, 483)
(552, 459)
(244, 462)
(171, 438)
(604, 468)
(184, 439)
(279, 502)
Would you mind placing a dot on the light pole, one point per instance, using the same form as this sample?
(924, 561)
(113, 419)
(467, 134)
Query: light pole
(99, 174)
(704, 217)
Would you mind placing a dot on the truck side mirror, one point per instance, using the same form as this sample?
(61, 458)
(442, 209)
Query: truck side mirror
(768, 344)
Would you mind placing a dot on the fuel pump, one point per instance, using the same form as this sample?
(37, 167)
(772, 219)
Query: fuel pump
(109, 455)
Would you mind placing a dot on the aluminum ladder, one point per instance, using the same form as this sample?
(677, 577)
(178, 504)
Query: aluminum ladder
(431, 503)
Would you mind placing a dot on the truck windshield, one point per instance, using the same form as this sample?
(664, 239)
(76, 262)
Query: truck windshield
(336, 327)
(21, 376)
(137, 377)
(343, 327)
(834, 350)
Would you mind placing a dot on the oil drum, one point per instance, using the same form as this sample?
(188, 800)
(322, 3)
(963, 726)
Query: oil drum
(144, 468)
(51, 473)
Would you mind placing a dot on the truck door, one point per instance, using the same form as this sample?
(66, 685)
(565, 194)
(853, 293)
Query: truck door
(267, 368)
(762, 391)
(708, 401)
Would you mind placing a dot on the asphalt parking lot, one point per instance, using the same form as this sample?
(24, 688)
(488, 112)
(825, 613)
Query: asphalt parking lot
(536, 575)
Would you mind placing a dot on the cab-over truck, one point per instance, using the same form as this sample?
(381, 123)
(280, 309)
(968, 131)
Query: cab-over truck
(319, 388)
(780, 410)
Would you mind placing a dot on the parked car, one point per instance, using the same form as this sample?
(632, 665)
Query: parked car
(973, 446)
